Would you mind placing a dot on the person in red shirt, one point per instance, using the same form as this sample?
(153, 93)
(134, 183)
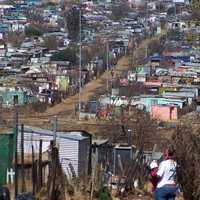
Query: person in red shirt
(153, 174)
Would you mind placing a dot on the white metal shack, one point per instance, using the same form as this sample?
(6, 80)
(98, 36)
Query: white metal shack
(74, 147)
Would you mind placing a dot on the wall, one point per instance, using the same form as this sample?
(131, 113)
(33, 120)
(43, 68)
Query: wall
(126, 156)
(166, 89)
(150, 101)
(8, 97)
(6, 155)
(84, 153)
(84, 115)
(68, 155)
(164, 113)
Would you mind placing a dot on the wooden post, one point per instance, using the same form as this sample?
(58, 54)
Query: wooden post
(16, 142)
(53, 172)
(22, 158)
(33, 171)
(93, 176)
(40, 167)
(55, 124)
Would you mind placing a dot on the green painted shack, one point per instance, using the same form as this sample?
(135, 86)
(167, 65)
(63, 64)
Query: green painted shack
(23, 98)
(6, 155)
(8, 97)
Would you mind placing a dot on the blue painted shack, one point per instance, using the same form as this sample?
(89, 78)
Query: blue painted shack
(9, 94)
(149, 101)
(189, 95)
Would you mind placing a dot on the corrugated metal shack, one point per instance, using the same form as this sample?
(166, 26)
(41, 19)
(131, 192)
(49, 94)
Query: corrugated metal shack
(122, 157)
(74, 148)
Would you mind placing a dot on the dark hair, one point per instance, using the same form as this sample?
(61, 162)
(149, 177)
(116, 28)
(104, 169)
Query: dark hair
(171, 150)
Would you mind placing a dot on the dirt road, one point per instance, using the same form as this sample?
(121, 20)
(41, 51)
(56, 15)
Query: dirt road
(90, 90)
(93, 87)
(65, 110)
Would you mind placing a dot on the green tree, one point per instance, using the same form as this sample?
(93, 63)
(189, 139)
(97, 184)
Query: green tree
(68, 54)
(15, 38)
(33, 30)
(171, 11)
(156, 46)
(187, 143)
(104, 194)
(120, 10)
(196, 10)
(51, 43)
(196, 5)
(175, 34)
(72, 21)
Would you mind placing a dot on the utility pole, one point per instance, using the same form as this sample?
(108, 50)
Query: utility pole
(1, 109)
(146, 51)
(175, 11)
(134, 47)
(39, 184)
(146, 46)
(107, 65)
(80, 59)
(33, 172)
(94, 168)
(22, 158)
(55, 127)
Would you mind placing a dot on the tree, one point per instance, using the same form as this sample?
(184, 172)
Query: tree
(196, 5)
(120, 10)
(156, 46)
(160, 7)
(104, 194)
(187, 144)
(33, 30)
(87, 55)
(175, 34)
(196, 10)
(68, 54)
(68, 3)
(51, 43)
(72, 21)
(15, 38)
(196, 15)
(171, 11)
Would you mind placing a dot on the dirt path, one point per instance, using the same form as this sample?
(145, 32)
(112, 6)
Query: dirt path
(91, 89)
(66, 109)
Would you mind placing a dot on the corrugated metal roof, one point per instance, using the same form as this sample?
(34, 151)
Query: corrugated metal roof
(100, 141)
(72, 135)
